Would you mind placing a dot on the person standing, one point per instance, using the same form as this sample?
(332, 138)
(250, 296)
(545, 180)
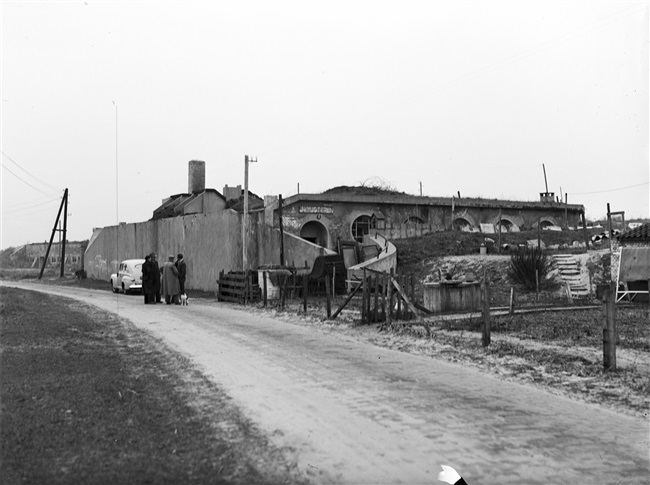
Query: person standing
(148, 277)
(182, 272)
(156, 281)
(170, 286)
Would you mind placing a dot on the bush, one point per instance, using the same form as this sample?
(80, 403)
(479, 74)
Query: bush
(529, 265)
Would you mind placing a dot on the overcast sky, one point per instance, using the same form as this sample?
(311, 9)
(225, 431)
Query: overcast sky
(112, 99)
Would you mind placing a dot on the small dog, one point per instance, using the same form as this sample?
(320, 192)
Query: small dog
(184, 299)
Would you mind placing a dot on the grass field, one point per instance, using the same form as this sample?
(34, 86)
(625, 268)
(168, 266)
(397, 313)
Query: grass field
(87, 398)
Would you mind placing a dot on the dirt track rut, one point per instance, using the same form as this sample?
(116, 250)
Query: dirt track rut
(355, 413)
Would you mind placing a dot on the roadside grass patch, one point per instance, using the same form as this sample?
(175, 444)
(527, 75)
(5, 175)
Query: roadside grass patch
(87, 398)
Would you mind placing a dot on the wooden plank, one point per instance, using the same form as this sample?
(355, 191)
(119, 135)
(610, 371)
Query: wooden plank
(407, 300)
(347, 300)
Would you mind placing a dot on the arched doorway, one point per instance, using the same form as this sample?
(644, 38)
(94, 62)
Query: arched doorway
(360, 227)
(414, 220)
(506, 225)
(314, 232)
(545, 224)
(461, 224)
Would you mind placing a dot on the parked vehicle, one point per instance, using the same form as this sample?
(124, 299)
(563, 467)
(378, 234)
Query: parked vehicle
(129, 276)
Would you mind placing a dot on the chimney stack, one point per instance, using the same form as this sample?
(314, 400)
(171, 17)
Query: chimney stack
(196, 183)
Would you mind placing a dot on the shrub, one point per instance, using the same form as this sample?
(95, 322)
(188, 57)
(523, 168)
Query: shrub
(525, 263)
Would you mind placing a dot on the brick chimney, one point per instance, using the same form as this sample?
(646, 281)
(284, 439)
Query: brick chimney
(196, 177)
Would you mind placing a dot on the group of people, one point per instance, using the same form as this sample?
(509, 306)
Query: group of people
(167, 280)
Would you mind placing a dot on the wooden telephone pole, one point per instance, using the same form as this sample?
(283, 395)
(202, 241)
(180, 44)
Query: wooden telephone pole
(64, 205)
(244, 229)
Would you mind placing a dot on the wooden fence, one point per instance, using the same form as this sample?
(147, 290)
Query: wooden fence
(238, 287)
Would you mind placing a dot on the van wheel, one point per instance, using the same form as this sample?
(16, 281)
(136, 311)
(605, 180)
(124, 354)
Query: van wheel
(115, 290)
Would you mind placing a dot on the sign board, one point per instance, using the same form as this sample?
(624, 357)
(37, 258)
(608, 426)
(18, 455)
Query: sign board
(633, 272)
(316, 210)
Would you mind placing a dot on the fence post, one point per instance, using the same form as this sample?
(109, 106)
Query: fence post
(264, 287)
(305, 286)
(389, 299)
(485, 299)
(384, 290)
(374, 315)
(512, 301)
(609, 330)
(328, 297)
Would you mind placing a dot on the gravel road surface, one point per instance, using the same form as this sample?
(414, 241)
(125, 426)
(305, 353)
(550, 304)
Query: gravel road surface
(355, 413)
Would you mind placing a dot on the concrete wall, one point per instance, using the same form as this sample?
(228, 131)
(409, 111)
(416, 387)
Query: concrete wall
(386, 260)
(267, 245)
(338, 214)
(210, 243)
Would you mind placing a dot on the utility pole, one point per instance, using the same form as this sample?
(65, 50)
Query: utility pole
(281, 231)
(65, 231)
(244, 229)
(64, 203)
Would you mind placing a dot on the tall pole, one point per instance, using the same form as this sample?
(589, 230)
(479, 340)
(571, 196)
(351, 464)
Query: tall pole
(245, 218)
(65, 231)
(244, 229)
(281, 230)
(56, 223)
(545, 181)
(117, 198)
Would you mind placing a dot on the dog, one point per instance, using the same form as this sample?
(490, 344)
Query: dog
(184, 299)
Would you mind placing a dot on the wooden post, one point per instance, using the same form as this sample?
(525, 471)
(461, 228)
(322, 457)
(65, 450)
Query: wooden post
(584, 230)
(305, 287)
(56, 222)
(281, 230)
(398, 315)
(485, 298)
(512, 301)
(384, 290)
(537, 285)
(328, 297)
(333, 280)
(539, 233)
(220, 282)
(376, 310)
(65, 231)
(499, 248)
(389, 299)
(609, 330)
(364, 288)
(611, 233)
(284, 291)
(265, 288)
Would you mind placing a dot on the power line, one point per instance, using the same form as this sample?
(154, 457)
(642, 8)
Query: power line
(611, 190)
(9, 210)
(23, 180)
(33, 176)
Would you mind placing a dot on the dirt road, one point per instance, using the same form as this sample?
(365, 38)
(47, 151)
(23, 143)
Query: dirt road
(355, 413)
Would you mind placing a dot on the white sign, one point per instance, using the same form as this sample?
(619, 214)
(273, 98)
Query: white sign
(316, 210)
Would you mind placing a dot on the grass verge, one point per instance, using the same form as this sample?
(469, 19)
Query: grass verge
(88, 398)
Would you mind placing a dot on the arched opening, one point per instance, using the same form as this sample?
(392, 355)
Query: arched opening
(546, 224)
(360, 227)
(314, 232)
(414, 220)
(506, 225)
(461, 224)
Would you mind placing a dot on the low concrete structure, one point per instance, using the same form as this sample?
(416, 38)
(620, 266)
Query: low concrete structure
(335, 216)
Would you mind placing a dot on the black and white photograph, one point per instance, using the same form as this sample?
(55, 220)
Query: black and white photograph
(325, 242)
